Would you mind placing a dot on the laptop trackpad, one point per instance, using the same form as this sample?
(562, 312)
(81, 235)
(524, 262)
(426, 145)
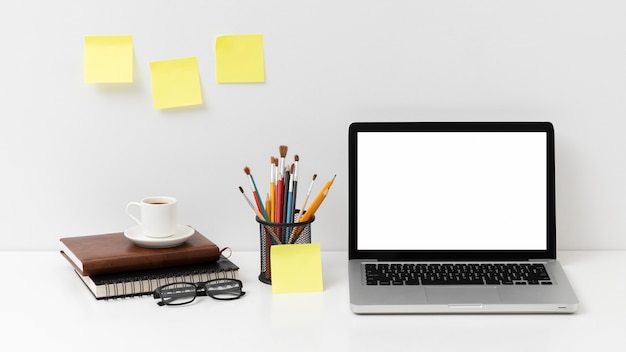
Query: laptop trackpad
(462, 295)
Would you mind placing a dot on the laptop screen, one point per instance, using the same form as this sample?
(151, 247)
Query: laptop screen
(441, 189)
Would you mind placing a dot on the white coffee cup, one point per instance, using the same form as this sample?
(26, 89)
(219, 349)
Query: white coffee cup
(158, 216)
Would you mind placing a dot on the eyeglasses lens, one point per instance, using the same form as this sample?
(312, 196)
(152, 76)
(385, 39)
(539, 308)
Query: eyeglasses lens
(179, 293)
(224, 289)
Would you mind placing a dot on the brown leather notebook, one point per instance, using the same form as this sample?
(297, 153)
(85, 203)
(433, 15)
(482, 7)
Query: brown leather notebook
(114, 253)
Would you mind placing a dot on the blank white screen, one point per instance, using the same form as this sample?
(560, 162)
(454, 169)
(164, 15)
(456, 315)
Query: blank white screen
(451, 190)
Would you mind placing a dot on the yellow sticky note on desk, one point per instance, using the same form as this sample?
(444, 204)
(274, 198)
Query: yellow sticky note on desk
(296, 268)
(175, 83)
(239, 58)
(108, 59)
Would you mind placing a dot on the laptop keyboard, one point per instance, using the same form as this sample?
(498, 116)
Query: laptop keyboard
(456, 274)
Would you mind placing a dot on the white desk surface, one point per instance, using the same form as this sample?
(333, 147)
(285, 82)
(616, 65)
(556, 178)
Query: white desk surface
(45, 305)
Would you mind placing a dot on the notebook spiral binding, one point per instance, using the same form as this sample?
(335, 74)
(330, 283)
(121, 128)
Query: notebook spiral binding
(144, 283)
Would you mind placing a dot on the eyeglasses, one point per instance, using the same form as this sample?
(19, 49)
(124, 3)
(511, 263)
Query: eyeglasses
(185, 292)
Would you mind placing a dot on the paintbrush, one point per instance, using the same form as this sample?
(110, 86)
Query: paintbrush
(260, 216)
(315, 204)
(306, 198)
(311, 211)
(283, 153)
(280, 186)
(255, 193)
(294, 182)
(289, 206)
(287, 183)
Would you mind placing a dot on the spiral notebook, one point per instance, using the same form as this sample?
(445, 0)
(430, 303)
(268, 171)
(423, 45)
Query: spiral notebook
(144, 282)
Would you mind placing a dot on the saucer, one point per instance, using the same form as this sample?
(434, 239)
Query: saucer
(135, 235)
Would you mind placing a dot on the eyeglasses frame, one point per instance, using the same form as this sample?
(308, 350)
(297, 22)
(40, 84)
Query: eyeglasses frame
(200, 291)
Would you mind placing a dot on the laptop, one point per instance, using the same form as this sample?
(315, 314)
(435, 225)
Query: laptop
(454, 217)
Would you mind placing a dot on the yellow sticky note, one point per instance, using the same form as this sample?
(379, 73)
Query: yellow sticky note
(239, 58)
(296, 268)
(108, 59)
(175, 83)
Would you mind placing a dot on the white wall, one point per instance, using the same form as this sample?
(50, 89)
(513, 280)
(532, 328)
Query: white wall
(74, 154)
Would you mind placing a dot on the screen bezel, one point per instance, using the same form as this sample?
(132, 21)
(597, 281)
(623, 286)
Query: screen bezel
(357, 127)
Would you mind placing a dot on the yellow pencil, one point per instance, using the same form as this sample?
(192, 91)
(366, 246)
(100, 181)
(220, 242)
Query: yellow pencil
(267, 205)
(317, 201)
(311, 209)
(270, 207)
(314, 206)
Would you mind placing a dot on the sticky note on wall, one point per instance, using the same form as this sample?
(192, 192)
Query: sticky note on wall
(239, 58)
(296, 268)
(108, 59)
(175, 83)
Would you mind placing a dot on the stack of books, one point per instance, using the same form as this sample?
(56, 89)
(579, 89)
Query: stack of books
(111, 266)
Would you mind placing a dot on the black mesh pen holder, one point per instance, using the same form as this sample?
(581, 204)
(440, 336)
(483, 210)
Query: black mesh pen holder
(272, 233)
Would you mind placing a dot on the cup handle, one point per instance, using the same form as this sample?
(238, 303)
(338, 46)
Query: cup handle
(131, 215)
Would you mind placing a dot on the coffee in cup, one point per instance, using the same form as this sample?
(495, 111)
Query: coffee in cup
(158, 216)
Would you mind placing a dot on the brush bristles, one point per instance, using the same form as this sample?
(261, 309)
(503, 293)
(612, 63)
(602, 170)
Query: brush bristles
(240, 189)
(246, 170)
(296, 157)
(283, 150)
(314, 177)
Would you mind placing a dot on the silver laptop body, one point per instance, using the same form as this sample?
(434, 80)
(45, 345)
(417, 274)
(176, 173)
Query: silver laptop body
(447, 195)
